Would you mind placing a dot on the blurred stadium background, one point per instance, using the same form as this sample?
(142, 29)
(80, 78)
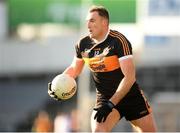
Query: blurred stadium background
(37, 39)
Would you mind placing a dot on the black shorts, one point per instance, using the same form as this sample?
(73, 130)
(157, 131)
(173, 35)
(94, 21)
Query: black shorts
(133, 106)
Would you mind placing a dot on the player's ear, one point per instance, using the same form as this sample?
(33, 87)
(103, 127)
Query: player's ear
(105, 22)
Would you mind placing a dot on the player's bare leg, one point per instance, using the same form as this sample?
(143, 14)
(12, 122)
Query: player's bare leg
(144, 124)
(111, 121)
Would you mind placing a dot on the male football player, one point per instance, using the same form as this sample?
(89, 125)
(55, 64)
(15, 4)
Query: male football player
(108, 54)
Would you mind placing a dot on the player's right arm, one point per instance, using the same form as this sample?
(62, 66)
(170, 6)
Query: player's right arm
(75, 68)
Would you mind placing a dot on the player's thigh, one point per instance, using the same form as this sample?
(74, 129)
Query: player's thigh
(144, 124)
(106, 126)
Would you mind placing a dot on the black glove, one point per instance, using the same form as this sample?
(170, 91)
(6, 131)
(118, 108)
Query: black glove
(52, 93)
(103, 111)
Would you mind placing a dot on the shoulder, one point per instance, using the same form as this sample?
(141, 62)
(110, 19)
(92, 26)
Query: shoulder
(83, 40)
(119, 37)
(117, 34)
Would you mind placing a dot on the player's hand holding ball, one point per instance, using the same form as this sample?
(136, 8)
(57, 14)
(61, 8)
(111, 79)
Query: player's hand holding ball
(103, 111)
(62, 87)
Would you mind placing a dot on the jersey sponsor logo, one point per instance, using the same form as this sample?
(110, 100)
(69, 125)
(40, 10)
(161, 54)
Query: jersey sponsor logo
(100, 62)
(97, 61)
(98, 67)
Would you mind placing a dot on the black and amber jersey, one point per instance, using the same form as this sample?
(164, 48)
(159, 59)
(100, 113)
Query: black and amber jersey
(103, 59)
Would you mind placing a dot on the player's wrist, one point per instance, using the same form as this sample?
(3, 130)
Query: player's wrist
(103, 111)
(110, 104)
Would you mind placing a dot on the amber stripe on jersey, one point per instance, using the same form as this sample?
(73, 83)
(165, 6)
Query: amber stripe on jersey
(111, 63)
(122, 40)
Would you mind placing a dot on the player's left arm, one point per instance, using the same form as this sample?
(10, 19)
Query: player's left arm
(128, 69)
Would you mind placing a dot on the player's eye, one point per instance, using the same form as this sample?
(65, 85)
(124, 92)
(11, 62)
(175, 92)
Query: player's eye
(91, 20)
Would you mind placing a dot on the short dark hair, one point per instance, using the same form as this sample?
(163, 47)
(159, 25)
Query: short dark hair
(102, 11)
